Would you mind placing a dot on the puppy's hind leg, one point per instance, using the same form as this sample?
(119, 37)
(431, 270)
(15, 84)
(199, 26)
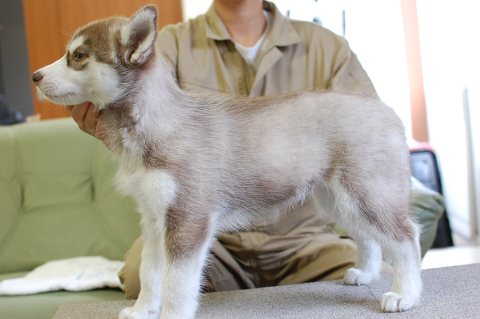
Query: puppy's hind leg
(407, 282)
(375, 220)
(339, 205)
(398, 237)
(405, 255)
(368, 263)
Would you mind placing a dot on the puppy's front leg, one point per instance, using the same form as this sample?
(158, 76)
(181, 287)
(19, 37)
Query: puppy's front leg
(149, 303)
(187, 240)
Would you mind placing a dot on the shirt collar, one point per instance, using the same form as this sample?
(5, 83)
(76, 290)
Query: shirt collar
(216, 30)
(280, 33)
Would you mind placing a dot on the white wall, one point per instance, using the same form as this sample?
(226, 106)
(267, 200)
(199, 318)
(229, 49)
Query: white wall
(450, 57)
(192, 8)
(374, 29)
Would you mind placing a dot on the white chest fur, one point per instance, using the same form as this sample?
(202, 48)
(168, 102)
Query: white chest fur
(154, 188)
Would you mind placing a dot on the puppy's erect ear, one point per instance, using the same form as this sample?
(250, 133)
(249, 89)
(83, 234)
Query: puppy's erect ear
(138, 36)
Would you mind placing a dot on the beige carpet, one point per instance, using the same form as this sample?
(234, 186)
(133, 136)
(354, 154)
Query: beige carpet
(451, 292)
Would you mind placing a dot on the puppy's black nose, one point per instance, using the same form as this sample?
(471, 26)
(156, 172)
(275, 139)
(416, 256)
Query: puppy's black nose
(37, 77)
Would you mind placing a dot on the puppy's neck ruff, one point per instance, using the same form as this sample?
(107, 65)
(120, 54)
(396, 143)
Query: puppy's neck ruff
(153, 98)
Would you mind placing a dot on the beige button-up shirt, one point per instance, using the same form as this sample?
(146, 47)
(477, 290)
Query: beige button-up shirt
(295, 55)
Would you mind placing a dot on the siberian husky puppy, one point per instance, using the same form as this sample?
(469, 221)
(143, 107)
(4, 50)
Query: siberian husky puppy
(202, 164)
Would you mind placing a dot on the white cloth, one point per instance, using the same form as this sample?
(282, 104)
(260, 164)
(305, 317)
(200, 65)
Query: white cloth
(75, 274)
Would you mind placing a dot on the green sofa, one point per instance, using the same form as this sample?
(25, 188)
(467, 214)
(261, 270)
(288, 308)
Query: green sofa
(57, 201)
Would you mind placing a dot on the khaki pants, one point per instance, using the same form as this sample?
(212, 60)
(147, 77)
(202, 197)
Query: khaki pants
(252, 260)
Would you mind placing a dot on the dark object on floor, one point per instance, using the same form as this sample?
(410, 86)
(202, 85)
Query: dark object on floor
(425, 169)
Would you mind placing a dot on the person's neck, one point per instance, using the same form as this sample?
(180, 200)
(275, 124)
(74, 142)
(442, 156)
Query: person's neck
(244, 20)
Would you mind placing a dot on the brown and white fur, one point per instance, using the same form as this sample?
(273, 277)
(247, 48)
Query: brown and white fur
(203, 164)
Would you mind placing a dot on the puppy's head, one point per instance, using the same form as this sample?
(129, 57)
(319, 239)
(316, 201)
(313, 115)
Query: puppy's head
(102, 60)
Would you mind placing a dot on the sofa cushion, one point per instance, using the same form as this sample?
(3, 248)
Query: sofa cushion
(58, 198)
(44, 306)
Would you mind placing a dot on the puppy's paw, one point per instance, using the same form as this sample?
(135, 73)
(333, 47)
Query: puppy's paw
(126, 313)
(131, 313)
(357, 277)
(395, 302)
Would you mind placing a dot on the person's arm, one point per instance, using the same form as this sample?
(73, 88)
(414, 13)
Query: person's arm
(350, 76)
(346, 71)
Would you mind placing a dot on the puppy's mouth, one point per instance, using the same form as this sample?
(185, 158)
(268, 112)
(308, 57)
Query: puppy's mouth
(60, 98)
(53, 96)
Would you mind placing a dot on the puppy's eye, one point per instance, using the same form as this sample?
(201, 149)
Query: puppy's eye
(79, 56)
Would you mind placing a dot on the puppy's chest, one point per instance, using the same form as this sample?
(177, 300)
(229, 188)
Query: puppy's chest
(153, 188)
(151, 185)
